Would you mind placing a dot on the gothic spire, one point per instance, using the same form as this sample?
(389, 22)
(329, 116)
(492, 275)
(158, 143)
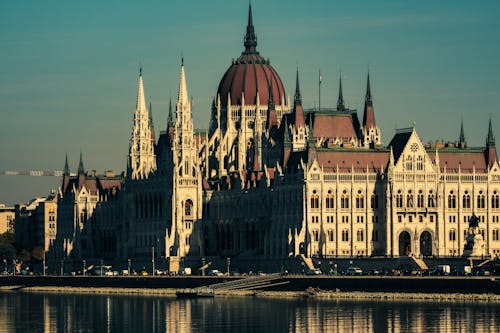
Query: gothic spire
(81, 169)
(151, 125)
(298, 97)
(66, 166)
(490, 139)
(250, 38)
(183, 96)
(340, 101)
(368, 97)
(368, 113)
(170, 121)
(461, 139)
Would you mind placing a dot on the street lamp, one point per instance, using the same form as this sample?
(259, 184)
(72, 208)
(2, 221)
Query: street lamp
(129, 261)
(203, 266)
(84, 266)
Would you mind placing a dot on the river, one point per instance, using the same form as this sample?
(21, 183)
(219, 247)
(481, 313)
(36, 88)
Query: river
(57, 312)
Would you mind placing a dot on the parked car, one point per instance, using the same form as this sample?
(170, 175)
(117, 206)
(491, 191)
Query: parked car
(315, 271)
(215, 272)
(354, 271)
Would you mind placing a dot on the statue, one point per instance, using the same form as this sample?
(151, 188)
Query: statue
(474, 242)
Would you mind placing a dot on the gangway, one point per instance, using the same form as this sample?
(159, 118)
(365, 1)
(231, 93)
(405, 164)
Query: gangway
(250, 283)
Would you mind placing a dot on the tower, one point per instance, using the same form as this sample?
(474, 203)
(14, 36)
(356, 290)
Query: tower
(491, 150)
(371, 132)
(142, 160)
(299, 128)
(185, 234)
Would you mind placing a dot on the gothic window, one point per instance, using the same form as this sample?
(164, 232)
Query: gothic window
(360, 200)
(399, 199)
(374, 201)
(330, 236)
(360, 235)
(494, 200)
(188, 206)
(481, 202)
(316, 235)
(430, 200)
(344, 200)
(409, 199)
(495, 234)
(330, 200)
(466, 200)
(345, 235)
(420, 199)
(409, 163)
(481, 231)
(314, 200)
(452, 235)
(420, 163)
(452, 200)
(188, 239)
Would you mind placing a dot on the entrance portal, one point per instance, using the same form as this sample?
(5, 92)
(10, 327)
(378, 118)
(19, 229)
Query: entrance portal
(426, 244)
(404, 243)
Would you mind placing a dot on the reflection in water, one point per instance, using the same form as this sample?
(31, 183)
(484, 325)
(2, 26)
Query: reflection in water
(37, 312)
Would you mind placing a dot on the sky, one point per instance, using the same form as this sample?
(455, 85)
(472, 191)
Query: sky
(69, 71)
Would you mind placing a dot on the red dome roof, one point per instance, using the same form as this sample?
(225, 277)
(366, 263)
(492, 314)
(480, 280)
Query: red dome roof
(250, 73)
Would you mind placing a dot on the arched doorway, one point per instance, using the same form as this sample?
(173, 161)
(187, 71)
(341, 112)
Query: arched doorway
(426, 244)
(404, 243)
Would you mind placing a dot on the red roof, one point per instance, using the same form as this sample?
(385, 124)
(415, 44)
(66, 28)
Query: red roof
(466, 160)
(369, 116)
(334, 126)
(346, 160)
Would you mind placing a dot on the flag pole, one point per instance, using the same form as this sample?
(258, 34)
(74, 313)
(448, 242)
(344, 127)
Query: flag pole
(319, 91)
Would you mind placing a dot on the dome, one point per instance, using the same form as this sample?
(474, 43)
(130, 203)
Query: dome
(250, 74)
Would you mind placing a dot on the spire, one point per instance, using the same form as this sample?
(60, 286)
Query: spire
(141, 101)
(461, 139)
(151, 125)
(81, 169)
(368, 97)
(490, 139)
(298, 97)
(183, 96)
(66, 166)
(170, 121)
(340, 101)
(250, 38)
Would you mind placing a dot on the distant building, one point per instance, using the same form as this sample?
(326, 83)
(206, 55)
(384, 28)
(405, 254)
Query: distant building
(7, 217)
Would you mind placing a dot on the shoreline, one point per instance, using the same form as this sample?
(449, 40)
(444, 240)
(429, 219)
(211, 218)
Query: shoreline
(310, 293)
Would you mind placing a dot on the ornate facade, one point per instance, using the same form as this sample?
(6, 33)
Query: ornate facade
(272, 180)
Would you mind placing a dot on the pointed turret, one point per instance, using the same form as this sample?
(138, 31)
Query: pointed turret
(250, 38)
(491, 151)
(298, 120)
(170, 119)
(340, 100)
(461, 140)
(182, 96)
(66, 167)
(151, 125)
(298, 97)
(81, 169)
(369, 113)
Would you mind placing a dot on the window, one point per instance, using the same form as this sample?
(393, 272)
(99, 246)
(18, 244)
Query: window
(374, 219)
(330, 200)
(314, 200)
(360, 219)
(480, 200)
(452, 235)
(329, 219)
(360, 200)
(430, 200)
(399, 199)
(409, 199)
(466, 200)
(315, 219)
(345, 235)
(316, 235)
(400, 218)
(452, 219)
(495, 234)
(420, 219)
(481, 231)
(344, 200)
(431, 218)
(360, 235)
(420, 163)
(420, 199)
(409, 163)
(452, 200)
(410, 218)
(494, 200)
(188, 206)
(188, 239)
(345, 219)
(331, 236)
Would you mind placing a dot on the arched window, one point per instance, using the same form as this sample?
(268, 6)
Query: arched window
(409, 163)
(466, 200)
(360, 235)
(481, 202)
(314, 200)
(345, 235)
(330, 200)
(420, 199)
(420, 163)
(360, 200)
(331, 236)
(453, 235)
(399, 199)
(495, 234)
(494, 200)
(188, 207)
(344, 200)
(430, 200)
(409, 199)
(452, 200)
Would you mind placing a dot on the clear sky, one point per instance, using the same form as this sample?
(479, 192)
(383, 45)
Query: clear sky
(69, 69)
